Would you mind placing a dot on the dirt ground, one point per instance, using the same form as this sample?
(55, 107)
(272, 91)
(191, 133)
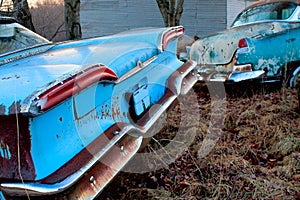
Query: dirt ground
(244, 147)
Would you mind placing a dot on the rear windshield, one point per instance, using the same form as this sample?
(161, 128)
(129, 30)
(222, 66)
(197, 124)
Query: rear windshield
(272, 11)
(14, 37)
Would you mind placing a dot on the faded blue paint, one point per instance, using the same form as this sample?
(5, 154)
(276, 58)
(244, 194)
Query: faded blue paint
(60, 133)
(257, 20)
(1, 196)
(78, 121)
(4, 150)
(219, 48)
(271, 52)
(36, 71)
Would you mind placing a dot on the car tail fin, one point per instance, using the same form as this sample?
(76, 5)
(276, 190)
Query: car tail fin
(61, 90)
(171, 34)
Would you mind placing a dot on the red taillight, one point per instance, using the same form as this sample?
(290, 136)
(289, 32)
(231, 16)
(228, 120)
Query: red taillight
(171, 35)
(242, 43)
(75, 84)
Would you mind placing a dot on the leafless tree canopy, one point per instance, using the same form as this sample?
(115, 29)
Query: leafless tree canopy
(171, 12)
(48, 19)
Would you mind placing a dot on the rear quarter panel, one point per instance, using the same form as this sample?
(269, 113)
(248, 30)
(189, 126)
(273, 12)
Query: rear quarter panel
(272, 51)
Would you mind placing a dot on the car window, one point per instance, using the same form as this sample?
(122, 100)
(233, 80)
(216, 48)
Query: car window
(14, 37)
(272, 11)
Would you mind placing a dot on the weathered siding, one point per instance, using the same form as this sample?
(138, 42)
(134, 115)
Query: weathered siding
(204, 17)
(103, 17)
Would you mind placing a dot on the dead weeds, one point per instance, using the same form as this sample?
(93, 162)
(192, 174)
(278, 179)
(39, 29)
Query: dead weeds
(254, 155)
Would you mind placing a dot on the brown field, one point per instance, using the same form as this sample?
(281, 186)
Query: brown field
(244, 148)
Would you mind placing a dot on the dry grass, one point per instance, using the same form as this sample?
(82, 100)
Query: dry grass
(255, 155)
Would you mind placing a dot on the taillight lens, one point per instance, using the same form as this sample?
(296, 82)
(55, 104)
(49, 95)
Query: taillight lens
(75, 84)
(171, 35)
(242, 43)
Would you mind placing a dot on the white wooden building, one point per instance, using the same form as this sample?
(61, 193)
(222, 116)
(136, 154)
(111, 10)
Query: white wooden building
(104, 17)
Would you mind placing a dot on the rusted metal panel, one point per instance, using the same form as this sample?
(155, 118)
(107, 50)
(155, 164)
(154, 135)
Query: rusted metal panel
(86, 155)
(15, 147)
(217, 54)
(76, 114)
(284, 48)
(146, 123)
(219, 48)
(105, 170)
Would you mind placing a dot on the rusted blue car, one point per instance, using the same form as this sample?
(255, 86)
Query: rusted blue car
(276, 57)
(216, 54)
(74, 113)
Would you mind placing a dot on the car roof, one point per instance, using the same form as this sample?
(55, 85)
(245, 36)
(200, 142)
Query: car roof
(6, 20)
(262, 2)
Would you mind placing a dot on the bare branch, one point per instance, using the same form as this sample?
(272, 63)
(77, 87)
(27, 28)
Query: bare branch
(57, 31)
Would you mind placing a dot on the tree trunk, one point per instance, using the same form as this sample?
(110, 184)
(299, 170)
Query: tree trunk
(170, 12)
(22, 14)
(72, 18)
(179, 12)
(163, 6)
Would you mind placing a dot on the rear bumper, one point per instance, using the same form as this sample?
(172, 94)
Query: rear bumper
(120, 142)
(215, 73)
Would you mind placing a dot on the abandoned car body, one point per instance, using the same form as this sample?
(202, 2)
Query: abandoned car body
(74, 113)
(281, 62)
(215, 54)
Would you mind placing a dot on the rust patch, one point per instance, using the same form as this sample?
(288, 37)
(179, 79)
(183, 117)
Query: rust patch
(9, 143)
(15, 107)
(104, 171)
(84, 156)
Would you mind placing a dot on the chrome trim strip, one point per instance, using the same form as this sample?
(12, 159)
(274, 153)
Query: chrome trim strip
(136, 69)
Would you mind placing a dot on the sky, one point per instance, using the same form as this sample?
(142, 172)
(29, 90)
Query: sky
(31, 2)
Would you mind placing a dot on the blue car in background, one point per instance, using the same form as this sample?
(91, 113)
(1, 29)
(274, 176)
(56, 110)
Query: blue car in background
(276, 57)
(72, 114)
(273, 25)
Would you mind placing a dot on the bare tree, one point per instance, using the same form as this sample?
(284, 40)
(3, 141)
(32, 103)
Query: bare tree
(72, 19)
(170, 12)
(22, 14)
(49, 20)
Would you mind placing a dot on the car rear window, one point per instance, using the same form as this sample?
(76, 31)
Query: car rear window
(272, 11)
